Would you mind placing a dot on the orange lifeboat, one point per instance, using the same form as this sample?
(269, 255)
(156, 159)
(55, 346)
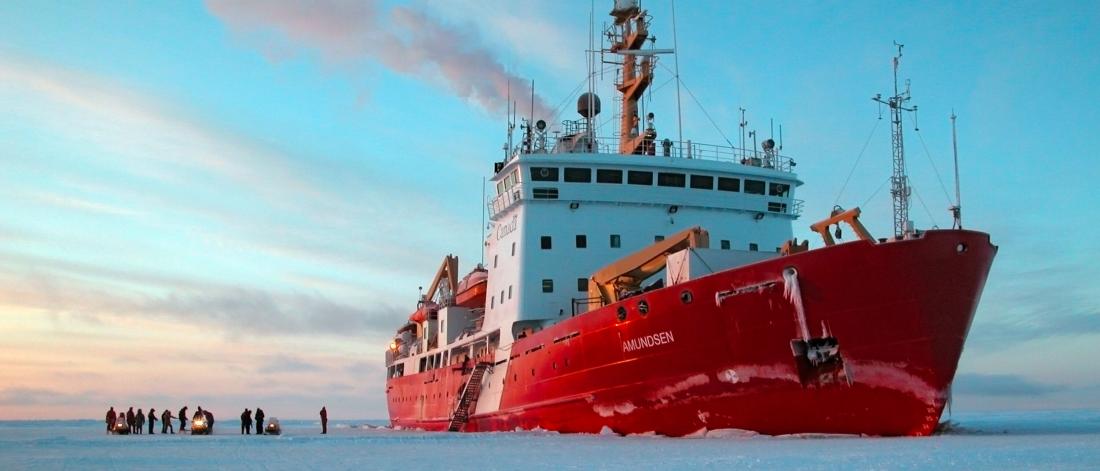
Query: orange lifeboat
(422, 313)
(471, 290)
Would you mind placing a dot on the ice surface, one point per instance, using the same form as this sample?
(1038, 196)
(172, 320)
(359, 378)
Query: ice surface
(1016, 440)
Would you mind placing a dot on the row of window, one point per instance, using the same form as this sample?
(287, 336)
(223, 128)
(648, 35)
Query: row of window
(614, 241)
(667, 179)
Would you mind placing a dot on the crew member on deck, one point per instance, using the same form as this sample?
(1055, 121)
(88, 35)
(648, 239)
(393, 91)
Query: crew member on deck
(324, 421)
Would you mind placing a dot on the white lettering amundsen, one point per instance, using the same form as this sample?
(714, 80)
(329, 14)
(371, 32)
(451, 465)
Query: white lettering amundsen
(652, 340)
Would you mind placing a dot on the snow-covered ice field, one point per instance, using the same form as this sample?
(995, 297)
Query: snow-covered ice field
(1016, 440)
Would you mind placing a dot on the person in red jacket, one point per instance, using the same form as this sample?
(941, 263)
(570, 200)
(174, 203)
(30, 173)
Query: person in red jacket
(324, 420)
(111, 415)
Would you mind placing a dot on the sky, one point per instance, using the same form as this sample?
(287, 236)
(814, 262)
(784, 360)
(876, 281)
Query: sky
(232, 204)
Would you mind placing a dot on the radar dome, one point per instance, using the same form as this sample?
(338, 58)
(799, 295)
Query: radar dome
(588, 105)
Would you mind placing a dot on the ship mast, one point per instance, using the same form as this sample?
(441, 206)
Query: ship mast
(899, 182)
(628, 35)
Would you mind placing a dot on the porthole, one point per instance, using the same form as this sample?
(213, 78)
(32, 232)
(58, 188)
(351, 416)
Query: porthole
(643, 307)
(685, 297)
(621, 313)
(961, 248)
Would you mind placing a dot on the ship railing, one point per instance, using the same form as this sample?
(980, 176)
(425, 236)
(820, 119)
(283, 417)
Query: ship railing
(583, 305)
(579, 143)
(503, 201)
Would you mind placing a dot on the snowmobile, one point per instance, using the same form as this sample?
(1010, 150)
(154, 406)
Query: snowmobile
(199, 425)
(121, 427)
(273, 427)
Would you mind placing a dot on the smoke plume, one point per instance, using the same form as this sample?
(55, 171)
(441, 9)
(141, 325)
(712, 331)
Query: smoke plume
(400, 38)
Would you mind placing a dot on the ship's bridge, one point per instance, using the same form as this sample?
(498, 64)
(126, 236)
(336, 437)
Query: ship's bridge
(557, 216)
(682, 174)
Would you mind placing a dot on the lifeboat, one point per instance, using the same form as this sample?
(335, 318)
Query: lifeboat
(471, 290)
(423, 312)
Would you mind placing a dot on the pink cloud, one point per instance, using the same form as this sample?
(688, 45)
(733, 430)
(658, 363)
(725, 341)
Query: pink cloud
(403, 39)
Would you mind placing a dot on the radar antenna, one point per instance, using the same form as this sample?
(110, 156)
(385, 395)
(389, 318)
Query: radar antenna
(899, 182)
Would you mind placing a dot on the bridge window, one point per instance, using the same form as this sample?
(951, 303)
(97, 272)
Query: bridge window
(753, 247)
(779, 189)
(495, 260)
(670, 179)
(725, 245)
(634, 177)
(604, 175)
(578, 175)
(547, 286)
(509, 291)
(545, 242)
(582, 241)
(493, 302)
(616, 241)
(754, 187)
(544, 193)
(702, 182)
(729, 184)
(582, 284)
(544, 174)
(510, 180)
(513, 249)
(658, 238)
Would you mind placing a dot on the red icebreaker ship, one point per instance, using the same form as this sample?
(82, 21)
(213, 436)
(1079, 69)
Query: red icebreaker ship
(642, 285)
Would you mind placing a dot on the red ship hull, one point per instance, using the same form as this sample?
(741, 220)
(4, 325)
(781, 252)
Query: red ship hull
(721, 357)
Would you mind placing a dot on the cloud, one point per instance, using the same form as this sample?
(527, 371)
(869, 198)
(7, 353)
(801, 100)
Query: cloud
(230, 310)
(1045, 299)
(288, 364)
(405, 40)
(21, 396)
(1001, 385)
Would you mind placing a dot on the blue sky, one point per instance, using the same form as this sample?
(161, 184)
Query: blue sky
(251, 192)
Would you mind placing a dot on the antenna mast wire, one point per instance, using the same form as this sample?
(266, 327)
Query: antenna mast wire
(676, 60)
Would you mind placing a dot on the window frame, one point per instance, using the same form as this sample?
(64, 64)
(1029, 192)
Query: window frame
(630, 180)
(576, 171)
(609, 175)
(693, 185)
(552, 174)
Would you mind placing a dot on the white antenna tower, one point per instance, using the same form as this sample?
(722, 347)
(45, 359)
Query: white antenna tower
(899, 182)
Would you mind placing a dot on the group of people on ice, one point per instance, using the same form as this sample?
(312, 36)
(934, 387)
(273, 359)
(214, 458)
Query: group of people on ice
(130, 422)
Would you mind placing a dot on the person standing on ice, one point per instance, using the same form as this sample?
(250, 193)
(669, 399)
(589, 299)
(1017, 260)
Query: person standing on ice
(246, 422)
(130, 420)
(324, 421)
(152, 420)
(259, 421)
(111, 415)
(139, 422)
(166, 422)
(183, 418)
(209, 420)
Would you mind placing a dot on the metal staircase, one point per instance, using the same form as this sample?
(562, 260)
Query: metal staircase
(470, 392)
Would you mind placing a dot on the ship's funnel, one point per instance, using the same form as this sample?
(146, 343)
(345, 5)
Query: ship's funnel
(588, 105)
